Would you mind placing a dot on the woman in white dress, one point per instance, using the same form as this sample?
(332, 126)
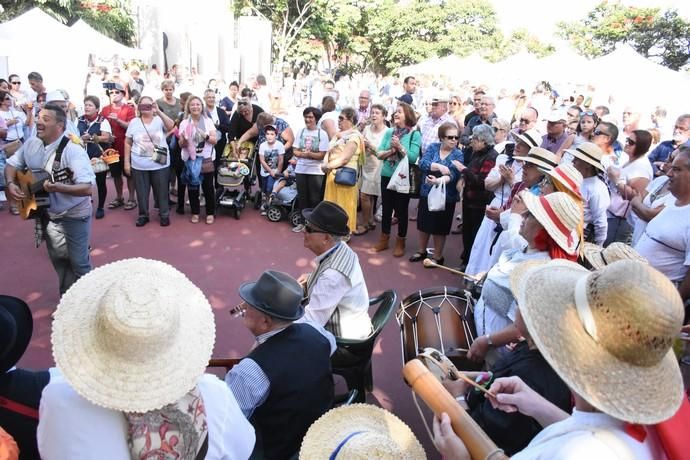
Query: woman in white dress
(480, 257)
(370, 183)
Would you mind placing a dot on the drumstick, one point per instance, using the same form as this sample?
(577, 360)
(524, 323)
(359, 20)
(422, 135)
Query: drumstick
(428, 263)
(474, 384)
(423, 383)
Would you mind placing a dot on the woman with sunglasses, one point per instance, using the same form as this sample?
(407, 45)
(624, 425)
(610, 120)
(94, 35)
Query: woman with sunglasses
(625, 182)
(147, 159)
(346, 150)
(437, 166)
(401, 139)
(456, 110)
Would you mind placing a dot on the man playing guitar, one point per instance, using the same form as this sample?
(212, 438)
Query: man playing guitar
(66, 224)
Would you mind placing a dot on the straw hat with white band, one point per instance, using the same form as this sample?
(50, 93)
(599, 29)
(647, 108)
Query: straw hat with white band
(544, 159)
(558, 214)
(590, 153)
(568, 176)
(360, 432)
(531, 137)
(599, 257)
(133, 335)
(607, 334)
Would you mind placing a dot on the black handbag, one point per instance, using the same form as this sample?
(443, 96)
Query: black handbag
(346, 176)
(415, 180)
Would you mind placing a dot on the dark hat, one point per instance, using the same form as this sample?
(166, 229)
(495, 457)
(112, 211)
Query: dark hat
(275, 293)
(329, 217)
(16, 326)
(116, 86)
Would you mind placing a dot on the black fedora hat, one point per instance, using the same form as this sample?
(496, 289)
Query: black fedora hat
(275, 293)
(16, 326)
(329, 217)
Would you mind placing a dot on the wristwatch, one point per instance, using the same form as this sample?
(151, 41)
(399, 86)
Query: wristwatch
(488, 340)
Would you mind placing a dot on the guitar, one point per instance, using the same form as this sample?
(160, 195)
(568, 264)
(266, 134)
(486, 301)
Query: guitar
(31, 184)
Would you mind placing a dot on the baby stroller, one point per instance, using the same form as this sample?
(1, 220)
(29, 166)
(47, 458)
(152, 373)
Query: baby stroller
(283, 205)
(235, 173)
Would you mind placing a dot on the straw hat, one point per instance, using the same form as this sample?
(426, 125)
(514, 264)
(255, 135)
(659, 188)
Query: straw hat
(607, 334)
(133, 335)
(543, 158)
(531, 137)
(599, 257)
(360, 432)
(567, 175)
(590, 153)
(558, 214)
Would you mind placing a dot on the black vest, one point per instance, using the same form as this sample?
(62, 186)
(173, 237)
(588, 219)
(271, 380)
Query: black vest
(23, 387)
(298, 365)
(95, 130)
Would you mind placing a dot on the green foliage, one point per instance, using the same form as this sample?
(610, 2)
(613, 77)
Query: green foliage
(651, 32)
(109, 17)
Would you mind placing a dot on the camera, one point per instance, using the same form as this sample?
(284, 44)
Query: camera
(109, 85)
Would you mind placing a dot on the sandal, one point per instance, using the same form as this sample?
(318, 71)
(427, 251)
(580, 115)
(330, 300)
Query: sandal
(361, 231)
(194, 219)
(131, 204)
(116, 203)
(14, 210)
(210, 219)
(417, 256)
(371, 226)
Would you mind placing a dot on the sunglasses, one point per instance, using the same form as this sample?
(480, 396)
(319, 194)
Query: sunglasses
(525, 121)
(599, 132)
(145, 107)
(630, 142)
(454, 103)
(310, 229)
(239, 311)
(589, 113)
(16, 82)
(452, 138)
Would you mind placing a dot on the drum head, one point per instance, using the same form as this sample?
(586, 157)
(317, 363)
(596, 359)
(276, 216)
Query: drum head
(440, 318)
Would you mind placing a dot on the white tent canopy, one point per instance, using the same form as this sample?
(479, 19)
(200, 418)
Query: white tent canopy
(96, 43)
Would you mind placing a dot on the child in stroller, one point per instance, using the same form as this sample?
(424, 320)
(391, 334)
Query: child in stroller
(283, 198)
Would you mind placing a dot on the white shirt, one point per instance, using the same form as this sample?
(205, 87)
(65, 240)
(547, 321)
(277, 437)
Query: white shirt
(333, 290)
(592, 436)
(596, 200)
(502, 192)
(271, 155)
(653, 199)
(671, 229)
(143, 140)
(486, 318)
(318, 140)
(16, 131)
(640, 168)
(71, 427)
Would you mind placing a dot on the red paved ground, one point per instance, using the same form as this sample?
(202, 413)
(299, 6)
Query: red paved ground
(218, 259)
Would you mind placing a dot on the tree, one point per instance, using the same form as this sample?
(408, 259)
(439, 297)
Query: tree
(405, 33)
(663, 36)
(288, 19)
(109, 17)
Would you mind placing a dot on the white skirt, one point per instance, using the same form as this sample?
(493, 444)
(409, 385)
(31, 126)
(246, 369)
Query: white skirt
(480, 260)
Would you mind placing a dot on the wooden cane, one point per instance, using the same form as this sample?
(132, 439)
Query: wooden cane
(423, 383)
(428, 263)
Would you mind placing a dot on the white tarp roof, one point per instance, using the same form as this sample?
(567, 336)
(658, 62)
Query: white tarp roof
(97, 43)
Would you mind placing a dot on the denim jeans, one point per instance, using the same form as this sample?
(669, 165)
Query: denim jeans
(67, 239)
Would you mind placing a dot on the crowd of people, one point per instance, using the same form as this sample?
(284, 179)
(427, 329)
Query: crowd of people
(543, 189)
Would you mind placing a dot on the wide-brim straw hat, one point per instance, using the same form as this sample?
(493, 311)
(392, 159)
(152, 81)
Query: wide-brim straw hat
(558, 214)
(543, 158)
(531, 137)
(607, 334)
(360, 432)
(567, 175)
(589, 153)
(599, 257)
(133, 335)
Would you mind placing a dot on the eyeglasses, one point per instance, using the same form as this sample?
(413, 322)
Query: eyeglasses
(497, 129)
(525, 121)
(16, 82)
(310, 229)
(630, 142)
(589, 113)
(239, 311)
(452, 138)
(599, 132)
(454, 103)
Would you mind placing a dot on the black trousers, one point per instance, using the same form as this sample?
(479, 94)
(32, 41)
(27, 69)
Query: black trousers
(102, 188)
(471, 220)
(393, 201)
(209, 194)
(309, 190)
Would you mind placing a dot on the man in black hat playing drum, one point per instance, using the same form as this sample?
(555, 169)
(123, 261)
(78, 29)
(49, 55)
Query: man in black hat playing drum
(336, 289)
(285, 383)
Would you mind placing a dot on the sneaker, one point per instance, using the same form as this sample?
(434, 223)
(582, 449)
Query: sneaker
(141, 221)
(263, 212)
(165, 221)
(298, 229)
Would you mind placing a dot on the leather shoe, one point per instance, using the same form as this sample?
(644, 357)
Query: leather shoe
(165, 221)
(141, 221)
